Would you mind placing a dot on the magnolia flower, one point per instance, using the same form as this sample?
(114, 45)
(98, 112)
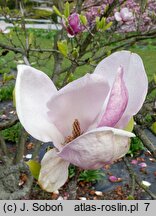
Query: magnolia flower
(74, 26)
(3, 28)
(124, 15)
(83, 119)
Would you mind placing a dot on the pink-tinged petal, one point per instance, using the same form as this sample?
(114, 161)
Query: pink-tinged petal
(113, 179)
(54, 171)
(117, 16)
(134, 162)
(33, 89)
(117, 102)
(97, 148)
(74, 23)
(126, 15)
(134, 76)
(142, 165)
(81, 99)
(73, 26)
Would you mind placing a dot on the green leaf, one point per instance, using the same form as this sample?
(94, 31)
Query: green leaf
(83, 19)
(130, 125)
(108, 26)
(75, 53)
(153, 127)
(70, 78)
(91, 175)
(7, 77)
(57, 11)
(71, 171)
(130, 197)
(97, 20)
(102, 23)
(31, 38)
(67, 9)
(63, 47)
(34, 167)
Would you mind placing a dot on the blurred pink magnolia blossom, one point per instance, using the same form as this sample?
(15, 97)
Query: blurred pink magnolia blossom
(124, 15)
(85, 118)
(141, 18)
(73, 25)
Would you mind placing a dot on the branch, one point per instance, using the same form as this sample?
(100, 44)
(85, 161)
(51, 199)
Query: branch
(147, 143)
(20, 146)
(3, 145)
(72, 185)
(9, 124)
(44, 50)
(143, 36)
(79, 5)
(36, 149)
(89, 37)
(14, 49)
(57, 58)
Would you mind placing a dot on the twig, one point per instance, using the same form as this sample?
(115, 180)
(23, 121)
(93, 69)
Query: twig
(72, 185)
(20, 146)
(147, 143)
(57, 58)
(44, 50)
(36, 149)
(3, 145)
(9, 124)
(79, 6)
(131, 173)
(14, 49)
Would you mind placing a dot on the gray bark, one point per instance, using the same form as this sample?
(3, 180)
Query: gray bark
(9, 180)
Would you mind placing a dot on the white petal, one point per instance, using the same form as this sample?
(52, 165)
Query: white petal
(134, 76)
(33, 89)
(81, 99)
(117, 102)
(117, 16)
(54, 171)
(146, 183)
(126, 15)
(96, 148)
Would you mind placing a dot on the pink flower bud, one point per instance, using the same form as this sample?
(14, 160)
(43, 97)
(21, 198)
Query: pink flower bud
(74, 26)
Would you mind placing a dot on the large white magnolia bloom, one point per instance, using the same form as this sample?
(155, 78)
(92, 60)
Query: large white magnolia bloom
(83, 119)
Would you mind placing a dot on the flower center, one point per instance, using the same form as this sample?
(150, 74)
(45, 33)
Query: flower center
(76, 132)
